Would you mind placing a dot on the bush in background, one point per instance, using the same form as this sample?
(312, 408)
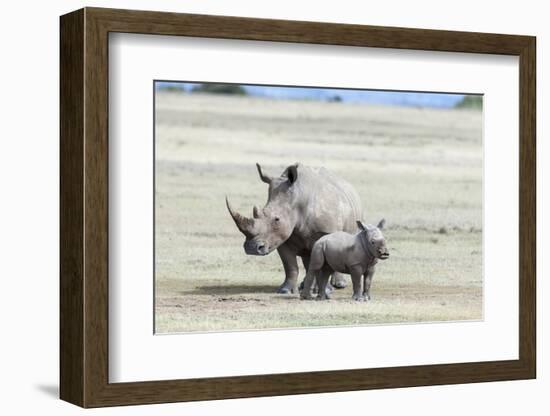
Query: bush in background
(231, 89)
(471, 101)
(170, 88)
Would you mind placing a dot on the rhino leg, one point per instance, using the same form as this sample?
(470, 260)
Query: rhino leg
(314, 287)
(290, 264)
(307, 284)
(322, 282)
(367, 282)
(338, 280)
(356, 279)
(305, 262)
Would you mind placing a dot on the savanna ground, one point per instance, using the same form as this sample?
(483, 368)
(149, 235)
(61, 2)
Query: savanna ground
(421, 169)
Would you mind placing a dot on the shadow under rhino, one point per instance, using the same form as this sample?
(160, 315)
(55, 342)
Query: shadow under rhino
(230, 290)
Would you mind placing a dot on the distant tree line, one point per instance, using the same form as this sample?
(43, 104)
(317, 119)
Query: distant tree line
(229, 89)
(170, 88)
(471, 101)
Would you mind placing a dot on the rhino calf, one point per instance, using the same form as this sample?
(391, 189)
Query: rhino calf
(354, 254)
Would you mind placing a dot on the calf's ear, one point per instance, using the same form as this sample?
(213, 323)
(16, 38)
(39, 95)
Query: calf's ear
(382, 223)
(361, 226)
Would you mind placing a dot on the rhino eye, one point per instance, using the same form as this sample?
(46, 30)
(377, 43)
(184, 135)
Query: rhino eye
(276, 219)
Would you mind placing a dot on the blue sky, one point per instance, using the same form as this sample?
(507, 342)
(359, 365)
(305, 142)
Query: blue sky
(410, 99)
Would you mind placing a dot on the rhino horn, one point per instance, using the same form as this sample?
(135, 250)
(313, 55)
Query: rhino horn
(243, 223)
(256, 212)
(263, 176)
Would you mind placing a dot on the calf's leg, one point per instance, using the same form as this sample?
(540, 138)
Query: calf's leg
(356, 279)
(322, 281)
(310, 278)
(367, 282)
(314, 288)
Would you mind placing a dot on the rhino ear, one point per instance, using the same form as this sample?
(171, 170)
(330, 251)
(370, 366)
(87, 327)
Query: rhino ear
(361, 226)
(382, 223)
(292, 173)
(263, 176)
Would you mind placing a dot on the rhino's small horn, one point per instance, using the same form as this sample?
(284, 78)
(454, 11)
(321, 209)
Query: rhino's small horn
(263, 176)
(256, 212)
(243, 223)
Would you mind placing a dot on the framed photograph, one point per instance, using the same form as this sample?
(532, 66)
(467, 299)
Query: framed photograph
(255, 207)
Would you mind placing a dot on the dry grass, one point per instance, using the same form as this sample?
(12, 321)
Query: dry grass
(420, 169)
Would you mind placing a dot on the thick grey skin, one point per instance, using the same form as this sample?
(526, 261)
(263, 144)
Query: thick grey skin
(303, 205)
(354, 254)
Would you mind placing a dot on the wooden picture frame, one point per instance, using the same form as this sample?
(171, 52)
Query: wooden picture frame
(84, 207)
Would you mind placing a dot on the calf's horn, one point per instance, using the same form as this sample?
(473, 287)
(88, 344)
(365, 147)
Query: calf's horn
(243, 224)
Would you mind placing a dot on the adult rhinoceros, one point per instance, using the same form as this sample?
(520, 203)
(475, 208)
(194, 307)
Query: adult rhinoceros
(303, 205)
